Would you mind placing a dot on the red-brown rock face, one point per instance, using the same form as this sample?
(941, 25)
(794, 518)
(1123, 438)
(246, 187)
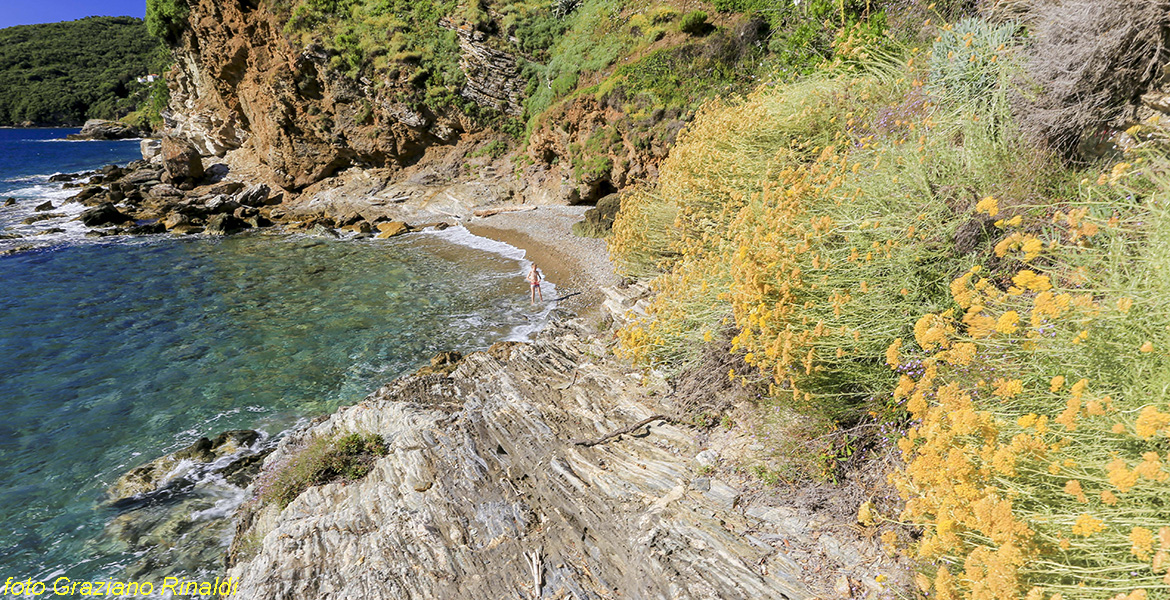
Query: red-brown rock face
(239, 83)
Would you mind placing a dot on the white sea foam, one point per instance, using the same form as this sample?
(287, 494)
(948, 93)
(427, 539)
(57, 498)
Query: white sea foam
(535, 321)
(459, 234)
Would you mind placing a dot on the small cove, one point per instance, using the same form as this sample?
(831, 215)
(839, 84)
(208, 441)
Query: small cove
(113, 352)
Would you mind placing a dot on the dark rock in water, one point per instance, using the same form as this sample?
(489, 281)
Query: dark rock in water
(186, 229)
(36, 218)
(44, 207)
(255, 195)
(359, 227)
(442, 363)
(224, 224)
(181, 161)
(85, 194)
(168, 474)
(176, 510)
(97, 233)
(147, 229)
(97, 129)
(103, 214)
(10, 202)
(17, 249)
(60, 177)
(51, 231)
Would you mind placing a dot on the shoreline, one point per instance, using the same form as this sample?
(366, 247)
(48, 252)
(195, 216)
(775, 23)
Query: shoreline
(573, 263)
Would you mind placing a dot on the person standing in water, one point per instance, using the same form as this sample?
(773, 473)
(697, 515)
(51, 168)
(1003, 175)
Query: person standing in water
(534, 279)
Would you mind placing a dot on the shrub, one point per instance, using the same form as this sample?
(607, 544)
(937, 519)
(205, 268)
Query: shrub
(881, 252)
(694, 23)
(323, 460)
(965, 59)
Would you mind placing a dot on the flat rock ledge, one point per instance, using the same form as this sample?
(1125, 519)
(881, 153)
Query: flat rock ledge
(484, 494)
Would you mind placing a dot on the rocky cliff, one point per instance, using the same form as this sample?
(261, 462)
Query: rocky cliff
(493, 488)
(240, 83)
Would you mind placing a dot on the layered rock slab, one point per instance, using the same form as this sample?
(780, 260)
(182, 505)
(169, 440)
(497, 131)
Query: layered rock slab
(482, 473)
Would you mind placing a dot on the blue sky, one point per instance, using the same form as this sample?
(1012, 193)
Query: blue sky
(26, 12)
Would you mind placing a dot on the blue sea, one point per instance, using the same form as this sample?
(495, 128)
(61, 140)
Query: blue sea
(114, 351)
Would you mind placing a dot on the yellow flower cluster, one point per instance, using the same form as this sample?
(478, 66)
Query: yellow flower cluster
(973, 445)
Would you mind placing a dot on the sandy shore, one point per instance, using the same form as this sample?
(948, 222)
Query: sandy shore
(575, 264)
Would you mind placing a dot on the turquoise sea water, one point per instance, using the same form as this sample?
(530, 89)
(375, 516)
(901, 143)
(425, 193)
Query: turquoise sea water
(115, 352)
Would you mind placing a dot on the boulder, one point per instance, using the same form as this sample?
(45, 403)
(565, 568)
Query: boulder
(103, 214)
(10, 202)
(97, 129)
(186, 229)
(151, 150)
(221, 205)
(44, 207)
(142, 176)
(255, 195)
(175, 219)
(227, 188)
(181, 161)
(599, 219)
(391, 229)
(224, 224)
(60, 177)
(165, 191)
(147, 228)
(85, 194)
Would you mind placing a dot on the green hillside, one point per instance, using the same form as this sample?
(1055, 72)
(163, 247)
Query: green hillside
(65, 73)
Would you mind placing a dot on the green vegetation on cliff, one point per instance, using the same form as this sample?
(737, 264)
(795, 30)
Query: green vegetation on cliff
(65, 73)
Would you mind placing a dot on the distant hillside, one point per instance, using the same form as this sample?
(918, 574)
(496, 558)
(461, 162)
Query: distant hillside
(64, 73)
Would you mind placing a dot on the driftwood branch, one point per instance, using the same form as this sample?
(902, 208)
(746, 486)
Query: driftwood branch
(487, 212)
(620, 432)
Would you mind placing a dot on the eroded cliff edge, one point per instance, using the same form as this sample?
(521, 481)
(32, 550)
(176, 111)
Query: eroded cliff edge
(483, 471)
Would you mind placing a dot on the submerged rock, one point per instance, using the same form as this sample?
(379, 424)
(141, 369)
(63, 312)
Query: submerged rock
(43, 207)
(179, 468)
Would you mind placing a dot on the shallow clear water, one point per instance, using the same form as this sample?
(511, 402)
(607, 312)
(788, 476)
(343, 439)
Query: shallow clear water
(113, 353)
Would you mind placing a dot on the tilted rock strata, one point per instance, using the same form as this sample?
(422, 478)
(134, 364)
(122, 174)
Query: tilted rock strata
(481, 474)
